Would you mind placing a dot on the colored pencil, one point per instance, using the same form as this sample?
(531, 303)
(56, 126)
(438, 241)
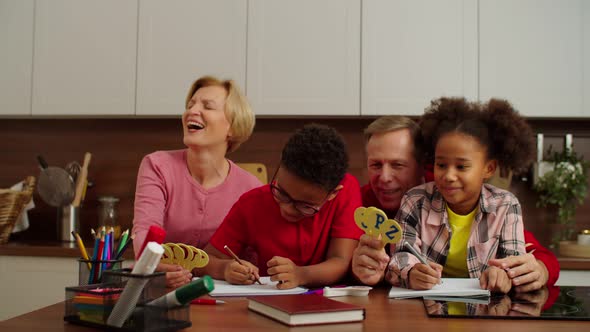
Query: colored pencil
(82, 249)
(129, 240)
(122, 241)
(91, 277)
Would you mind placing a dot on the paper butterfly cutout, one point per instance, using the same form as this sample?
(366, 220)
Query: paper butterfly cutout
(188, 257)
(373, 221)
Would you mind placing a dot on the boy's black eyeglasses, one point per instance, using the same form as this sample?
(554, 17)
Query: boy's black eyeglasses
(304, 208)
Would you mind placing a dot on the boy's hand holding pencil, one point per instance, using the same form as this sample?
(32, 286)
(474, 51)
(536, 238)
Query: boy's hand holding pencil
(239, 271)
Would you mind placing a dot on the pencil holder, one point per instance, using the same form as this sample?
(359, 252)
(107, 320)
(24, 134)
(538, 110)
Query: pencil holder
(92, 305)
(92, 271)
(155, 283)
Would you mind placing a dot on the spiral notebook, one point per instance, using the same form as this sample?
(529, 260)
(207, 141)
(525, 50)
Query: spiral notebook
(458, 287)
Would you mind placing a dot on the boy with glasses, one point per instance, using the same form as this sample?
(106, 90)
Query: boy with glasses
(301, 226)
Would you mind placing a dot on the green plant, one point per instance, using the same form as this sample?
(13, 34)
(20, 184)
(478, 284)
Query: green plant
(564, 187)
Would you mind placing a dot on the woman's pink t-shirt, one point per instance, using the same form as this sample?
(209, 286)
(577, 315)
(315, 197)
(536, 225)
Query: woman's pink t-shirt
(168, 196)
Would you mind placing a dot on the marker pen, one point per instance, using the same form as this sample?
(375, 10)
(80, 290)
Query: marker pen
(155, 234)
(185, 294)
(207, 301)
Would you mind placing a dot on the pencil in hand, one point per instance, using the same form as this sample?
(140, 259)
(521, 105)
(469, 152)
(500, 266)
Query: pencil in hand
(237, 259)
(421, 258)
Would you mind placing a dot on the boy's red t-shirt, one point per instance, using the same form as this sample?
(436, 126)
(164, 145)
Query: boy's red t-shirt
(255, 221)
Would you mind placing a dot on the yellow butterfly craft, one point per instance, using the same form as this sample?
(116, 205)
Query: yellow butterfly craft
(374, 222)
(187, 256)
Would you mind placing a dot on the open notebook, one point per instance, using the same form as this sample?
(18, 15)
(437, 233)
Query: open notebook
(223, 288)
(459, 287)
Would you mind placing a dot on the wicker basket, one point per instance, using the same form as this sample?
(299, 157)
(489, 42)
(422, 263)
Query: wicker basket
(12, 204)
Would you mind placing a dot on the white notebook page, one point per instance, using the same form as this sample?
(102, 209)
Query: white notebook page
(223, 288)
(449, 287)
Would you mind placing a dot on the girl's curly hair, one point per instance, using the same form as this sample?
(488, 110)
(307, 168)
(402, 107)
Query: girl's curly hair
(495, 124)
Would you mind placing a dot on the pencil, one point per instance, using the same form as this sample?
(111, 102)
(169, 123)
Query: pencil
(102, 246)
(237, 259)
(129, 240)
(91, 277)
(417, 254)
(122, 241)
(112, 244)
(82, 248)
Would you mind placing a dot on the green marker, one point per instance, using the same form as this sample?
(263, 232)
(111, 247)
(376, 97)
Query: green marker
(185, 294)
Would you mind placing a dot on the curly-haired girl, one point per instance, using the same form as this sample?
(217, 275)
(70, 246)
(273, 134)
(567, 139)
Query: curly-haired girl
(459, 222)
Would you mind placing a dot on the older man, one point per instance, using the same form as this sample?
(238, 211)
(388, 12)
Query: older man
(395, 164)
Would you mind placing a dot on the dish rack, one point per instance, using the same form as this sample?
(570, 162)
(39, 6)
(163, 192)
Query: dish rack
(12, 204)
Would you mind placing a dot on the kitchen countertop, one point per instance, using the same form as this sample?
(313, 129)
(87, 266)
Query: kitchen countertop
(65, 249)
(573, 263)
(48, 249)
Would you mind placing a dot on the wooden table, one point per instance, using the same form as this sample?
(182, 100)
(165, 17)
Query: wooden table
(382, 314)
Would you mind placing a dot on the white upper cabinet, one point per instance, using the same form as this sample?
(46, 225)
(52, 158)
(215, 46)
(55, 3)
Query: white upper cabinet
(179, 41)
(415, 51)
(532, 53)
(293, 57)
(16, 57)
(304, 57)
(85, 57)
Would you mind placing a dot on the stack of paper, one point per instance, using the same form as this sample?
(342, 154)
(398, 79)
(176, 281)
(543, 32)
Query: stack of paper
(458, 287)
(223, 288)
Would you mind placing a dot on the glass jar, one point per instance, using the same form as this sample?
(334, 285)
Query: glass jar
(584, 237)
(107, 216)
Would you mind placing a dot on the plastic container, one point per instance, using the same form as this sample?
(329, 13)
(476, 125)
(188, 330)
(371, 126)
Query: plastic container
(91, 305)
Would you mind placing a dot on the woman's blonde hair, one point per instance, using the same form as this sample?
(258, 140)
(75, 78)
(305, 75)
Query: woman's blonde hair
(237, 110)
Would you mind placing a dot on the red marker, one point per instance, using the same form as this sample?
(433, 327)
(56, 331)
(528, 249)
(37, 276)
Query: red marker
(155, 234)
(207, 301)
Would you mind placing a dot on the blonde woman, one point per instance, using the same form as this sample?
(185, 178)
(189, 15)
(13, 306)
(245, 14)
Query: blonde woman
(188, 192)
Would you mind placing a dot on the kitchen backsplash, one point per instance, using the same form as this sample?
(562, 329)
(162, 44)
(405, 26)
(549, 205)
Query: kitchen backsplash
(118, 145)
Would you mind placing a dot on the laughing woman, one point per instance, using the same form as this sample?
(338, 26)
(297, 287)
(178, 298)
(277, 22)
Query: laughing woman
(188, 192)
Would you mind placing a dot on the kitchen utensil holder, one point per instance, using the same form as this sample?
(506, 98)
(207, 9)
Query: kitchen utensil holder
(68, 221)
